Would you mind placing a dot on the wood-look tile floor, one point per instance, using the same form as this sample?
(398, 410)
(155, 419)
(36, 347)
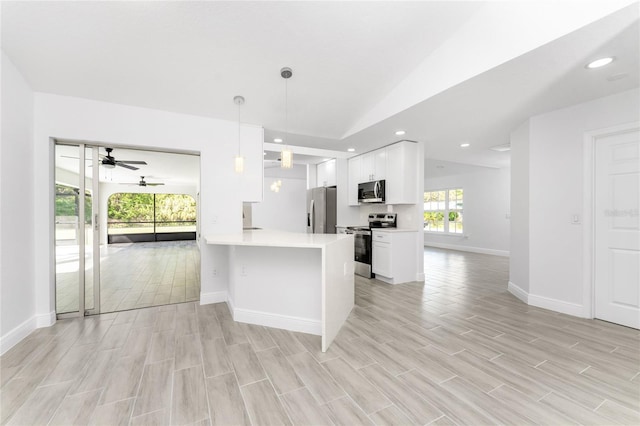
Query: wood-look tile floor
(458, 349)
(135, 275)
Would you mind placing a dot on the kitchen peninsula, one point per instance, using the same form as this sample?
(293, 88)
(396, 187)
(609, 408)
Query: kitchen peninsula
(294, 281)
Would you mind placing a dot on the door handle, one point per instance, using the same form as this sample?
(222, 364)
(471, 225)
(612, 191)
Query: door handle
(96, 224)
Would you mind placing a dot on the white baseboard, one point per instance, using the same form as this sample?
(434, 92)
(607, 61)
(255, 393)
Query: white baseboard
(302, 325)
(14, 336)
(46, 320)
(213, 297)
(504, 253)
(518, 292)
(557, 305)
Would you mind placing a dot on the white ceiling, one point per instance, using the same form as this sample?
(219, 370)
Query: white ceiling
(347, 57)
(167, 168)
(194, 57)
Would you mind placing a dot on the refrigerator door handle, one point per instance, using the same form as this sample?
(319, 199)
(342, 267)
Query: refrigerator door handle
(313, 216)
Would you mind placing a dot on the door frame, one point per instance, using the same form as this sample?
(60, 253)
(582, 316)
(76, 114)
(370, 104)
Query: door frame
(95, 229)
(588, 210)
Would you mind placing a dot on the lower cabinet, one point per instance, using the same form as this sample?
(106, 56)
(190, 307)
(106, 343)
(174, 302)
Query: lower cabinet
(394, 257)
(381, 260)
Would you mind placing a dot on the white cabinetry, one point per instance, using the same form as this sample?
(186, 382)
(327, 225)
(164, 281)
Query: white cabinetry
(394, 255)
(374, 165)
(355, 167)
(326, 173)
(251, 179)
(382, 258)
(402, 174)
(396, 164)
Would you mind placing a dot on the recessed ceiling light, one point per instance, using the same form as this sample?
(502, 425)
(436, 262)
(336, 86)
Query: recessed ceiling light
(400, 132)
(264, 153)
(501, 148)
(600, 62)
(618, 76)
(277, 140)
(465, 145)
(351, 149)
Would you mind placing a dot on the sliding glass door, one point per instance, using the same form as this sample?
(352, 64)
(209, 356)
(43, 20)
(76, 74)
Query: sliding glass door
(77, 245)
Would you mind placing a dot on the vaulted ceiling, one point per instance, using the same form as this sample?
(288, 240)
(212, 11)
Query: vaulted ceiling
(446, 72)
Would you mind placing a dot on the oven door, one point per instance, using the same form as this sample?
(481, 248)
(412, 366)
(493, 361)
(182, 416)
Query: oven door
(362, 247)
(362, 254)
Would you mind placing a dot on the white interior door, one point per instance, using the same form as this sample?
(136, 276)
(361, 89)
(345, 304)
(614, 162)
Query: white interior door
(617, 229)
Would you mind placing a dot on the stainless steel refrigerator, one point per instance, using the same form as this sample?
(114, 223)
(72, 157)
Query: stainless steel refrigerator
(321, 211)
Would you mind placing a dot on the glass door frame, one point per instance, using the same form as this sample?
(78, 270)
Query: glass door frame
(81, 229)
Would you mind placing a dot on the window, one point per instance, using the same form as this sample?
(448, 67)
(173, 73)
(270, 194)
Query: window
(140, 213)
(443, 211)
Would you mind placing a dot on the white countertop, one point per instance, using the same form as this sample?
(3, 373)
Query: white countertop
(393, 230)
(267, 238)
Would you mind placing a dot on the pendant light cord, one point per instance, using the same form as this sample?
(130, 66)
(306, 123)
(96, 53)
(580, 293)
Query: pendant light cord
(239, 151)
(286, 109)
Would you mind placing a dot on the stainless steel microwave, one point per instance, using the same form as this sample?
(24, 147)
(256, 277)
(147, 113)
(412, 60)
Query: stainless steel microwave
(371, 192)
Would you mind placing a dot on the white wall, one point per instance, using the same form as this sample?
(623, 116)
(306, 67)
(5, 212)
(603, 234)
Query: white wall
(284, 210)
(119, 125)
(519, 256)
(486, 205)
(17, 285)
(555, 191)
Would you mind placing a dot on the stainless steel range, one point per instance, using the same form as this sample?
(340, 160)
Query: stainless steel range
(362, 237)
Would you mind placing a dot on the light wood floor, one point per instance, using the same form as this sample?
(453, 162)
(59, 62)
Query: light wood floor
(457, 350)
(133, 275)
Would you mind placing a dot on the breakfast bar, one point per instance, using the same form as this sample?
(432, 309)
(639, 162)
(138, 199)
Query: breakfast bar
(294, 281)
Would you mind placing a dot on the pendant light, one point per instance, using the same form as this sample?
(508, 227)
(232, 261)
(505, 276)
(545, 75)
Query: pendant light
(239, 159)
(286, 155)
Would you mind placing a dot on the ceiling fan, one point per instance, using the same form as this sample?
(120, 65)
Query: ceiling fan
(110, 162)
(144, 183)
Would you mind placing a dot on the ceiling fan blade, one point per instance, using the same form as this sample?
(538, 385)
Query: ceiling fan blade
(131, 162)
(126, 166)
(154, 184)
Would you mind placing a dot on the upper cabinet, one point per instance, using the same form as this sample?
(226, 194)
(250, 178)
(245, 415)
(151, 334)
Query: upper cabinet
(396, 164)
(402, 174)
(326, 173)
(355, 172)
(374, 165)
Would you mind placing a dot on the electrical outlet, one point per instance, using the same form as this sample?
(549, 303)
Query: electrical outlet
(215, 272)
(243, 271)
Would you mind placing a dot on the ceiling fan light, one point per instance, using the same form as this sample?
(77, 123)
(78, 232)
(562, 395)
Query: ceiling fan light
(239, 164)
(109, 165)
(287, 158)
